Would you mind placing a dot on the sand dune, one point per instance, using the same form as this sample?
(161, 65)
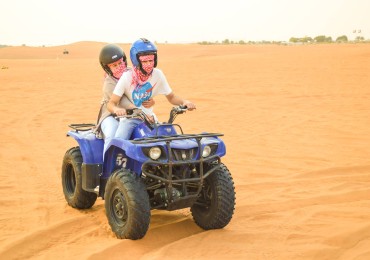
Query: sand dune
(296, 121)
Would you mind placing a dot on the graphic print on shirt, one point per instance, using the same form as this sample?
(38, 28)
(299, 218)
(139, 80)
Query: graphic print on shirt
(142, 93)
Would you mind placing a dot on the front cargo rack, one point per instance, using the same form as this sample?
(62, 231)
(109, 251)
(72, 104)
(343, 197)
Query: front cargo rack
(164, 138)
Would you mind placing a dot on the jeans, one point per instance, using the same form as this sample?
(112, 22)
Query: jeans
(109, 128)
(126, 127)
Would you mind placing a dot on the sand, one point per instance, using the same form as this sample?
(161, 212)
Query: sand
(296, 123)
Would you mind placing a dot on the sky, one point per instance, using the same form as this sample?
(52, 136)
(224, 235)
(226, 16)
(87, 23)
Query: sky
(59, 22)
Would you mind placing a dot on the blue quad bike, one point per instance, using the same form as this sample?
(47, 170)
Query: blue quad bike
(159, 168)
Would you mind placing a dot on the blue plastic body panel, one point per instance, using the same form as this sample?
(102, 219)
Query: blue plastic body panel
(164, 136)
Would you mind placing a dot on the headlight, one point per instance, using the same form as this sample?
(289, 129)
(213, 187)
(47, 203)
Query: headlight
(206, 151)
(155, 153)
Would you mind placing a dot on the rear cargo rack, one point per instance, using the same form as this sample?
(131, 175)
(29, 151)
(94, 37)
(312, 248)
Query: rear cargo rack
(82, 127)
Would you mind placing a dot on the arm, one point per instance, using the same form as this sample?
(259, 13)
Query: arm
(176, 100)
(113, 106)
(126, 103)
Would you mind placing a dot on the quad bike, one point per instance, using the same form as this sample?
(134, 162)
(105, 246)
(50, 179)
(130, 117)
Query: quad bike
(160, 168)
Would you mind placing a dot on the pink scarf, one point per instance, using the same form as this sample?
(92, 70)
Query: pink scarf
(138, 77)
(117, 71)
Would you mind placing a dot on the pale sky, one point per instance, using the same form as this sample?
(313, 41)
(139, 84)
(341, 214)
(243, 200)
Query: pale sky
(58, 22)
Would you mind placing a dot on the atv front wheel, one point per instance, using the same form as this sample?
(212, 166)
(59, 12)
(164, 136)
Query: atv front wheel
(72, 181)
(215, 206)
(127, 205)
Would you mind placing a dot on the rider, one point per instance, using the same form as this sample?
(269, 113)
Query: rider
(140, 84)
(114, 62)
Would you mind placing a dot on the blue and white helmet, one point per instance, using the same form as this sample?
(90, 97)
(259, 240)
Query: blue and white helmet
(142, 47)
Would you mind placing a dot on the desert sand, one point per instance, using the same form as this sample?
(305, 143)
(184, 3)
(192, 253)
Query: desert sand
(296, 123)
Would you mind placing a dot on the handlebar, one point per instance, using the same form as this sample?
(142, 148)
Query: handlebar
(131, 112)
(138, 113)
(176, 111)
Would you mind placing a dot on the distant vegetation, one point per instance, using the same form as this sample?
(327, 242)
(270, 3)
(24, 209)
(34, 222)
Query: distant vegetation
(325, 39)
(294, 40)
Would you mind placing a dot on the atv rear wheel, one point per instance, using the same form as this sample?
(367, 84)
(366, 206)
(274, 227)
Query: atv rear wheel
(72, 181)
(127, 205)
(215, 206)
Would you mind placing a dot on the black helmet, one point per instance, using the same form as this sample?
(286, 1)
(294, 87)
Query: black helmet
(111, 53)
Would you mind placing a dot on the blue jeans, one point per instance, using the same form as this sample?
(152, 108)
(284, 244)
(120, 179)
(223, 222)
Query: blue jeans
(109, 128)
(126, 127)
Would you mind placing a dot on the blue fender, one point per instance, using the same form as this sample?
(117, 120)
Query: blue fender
(132, 152)
(91, 147)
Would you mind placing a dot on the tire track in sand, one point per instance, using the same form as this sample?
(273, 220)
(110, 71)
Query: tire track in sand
(34, 243)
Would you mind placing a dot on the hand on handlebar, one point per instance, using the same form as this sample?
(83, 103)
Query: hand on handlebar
(189, 105)
(120, 112)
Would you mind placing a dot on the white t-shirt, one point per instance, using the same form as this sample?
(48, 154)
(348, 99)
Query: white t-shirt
(156, 85)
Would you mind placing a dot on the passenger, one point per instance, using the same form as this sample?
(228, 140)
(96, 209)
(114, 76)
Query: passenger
(114, 62)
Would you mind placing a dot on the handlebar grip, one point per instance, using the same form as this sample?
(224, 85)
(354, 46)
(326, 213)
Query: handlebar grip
(131, 111)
